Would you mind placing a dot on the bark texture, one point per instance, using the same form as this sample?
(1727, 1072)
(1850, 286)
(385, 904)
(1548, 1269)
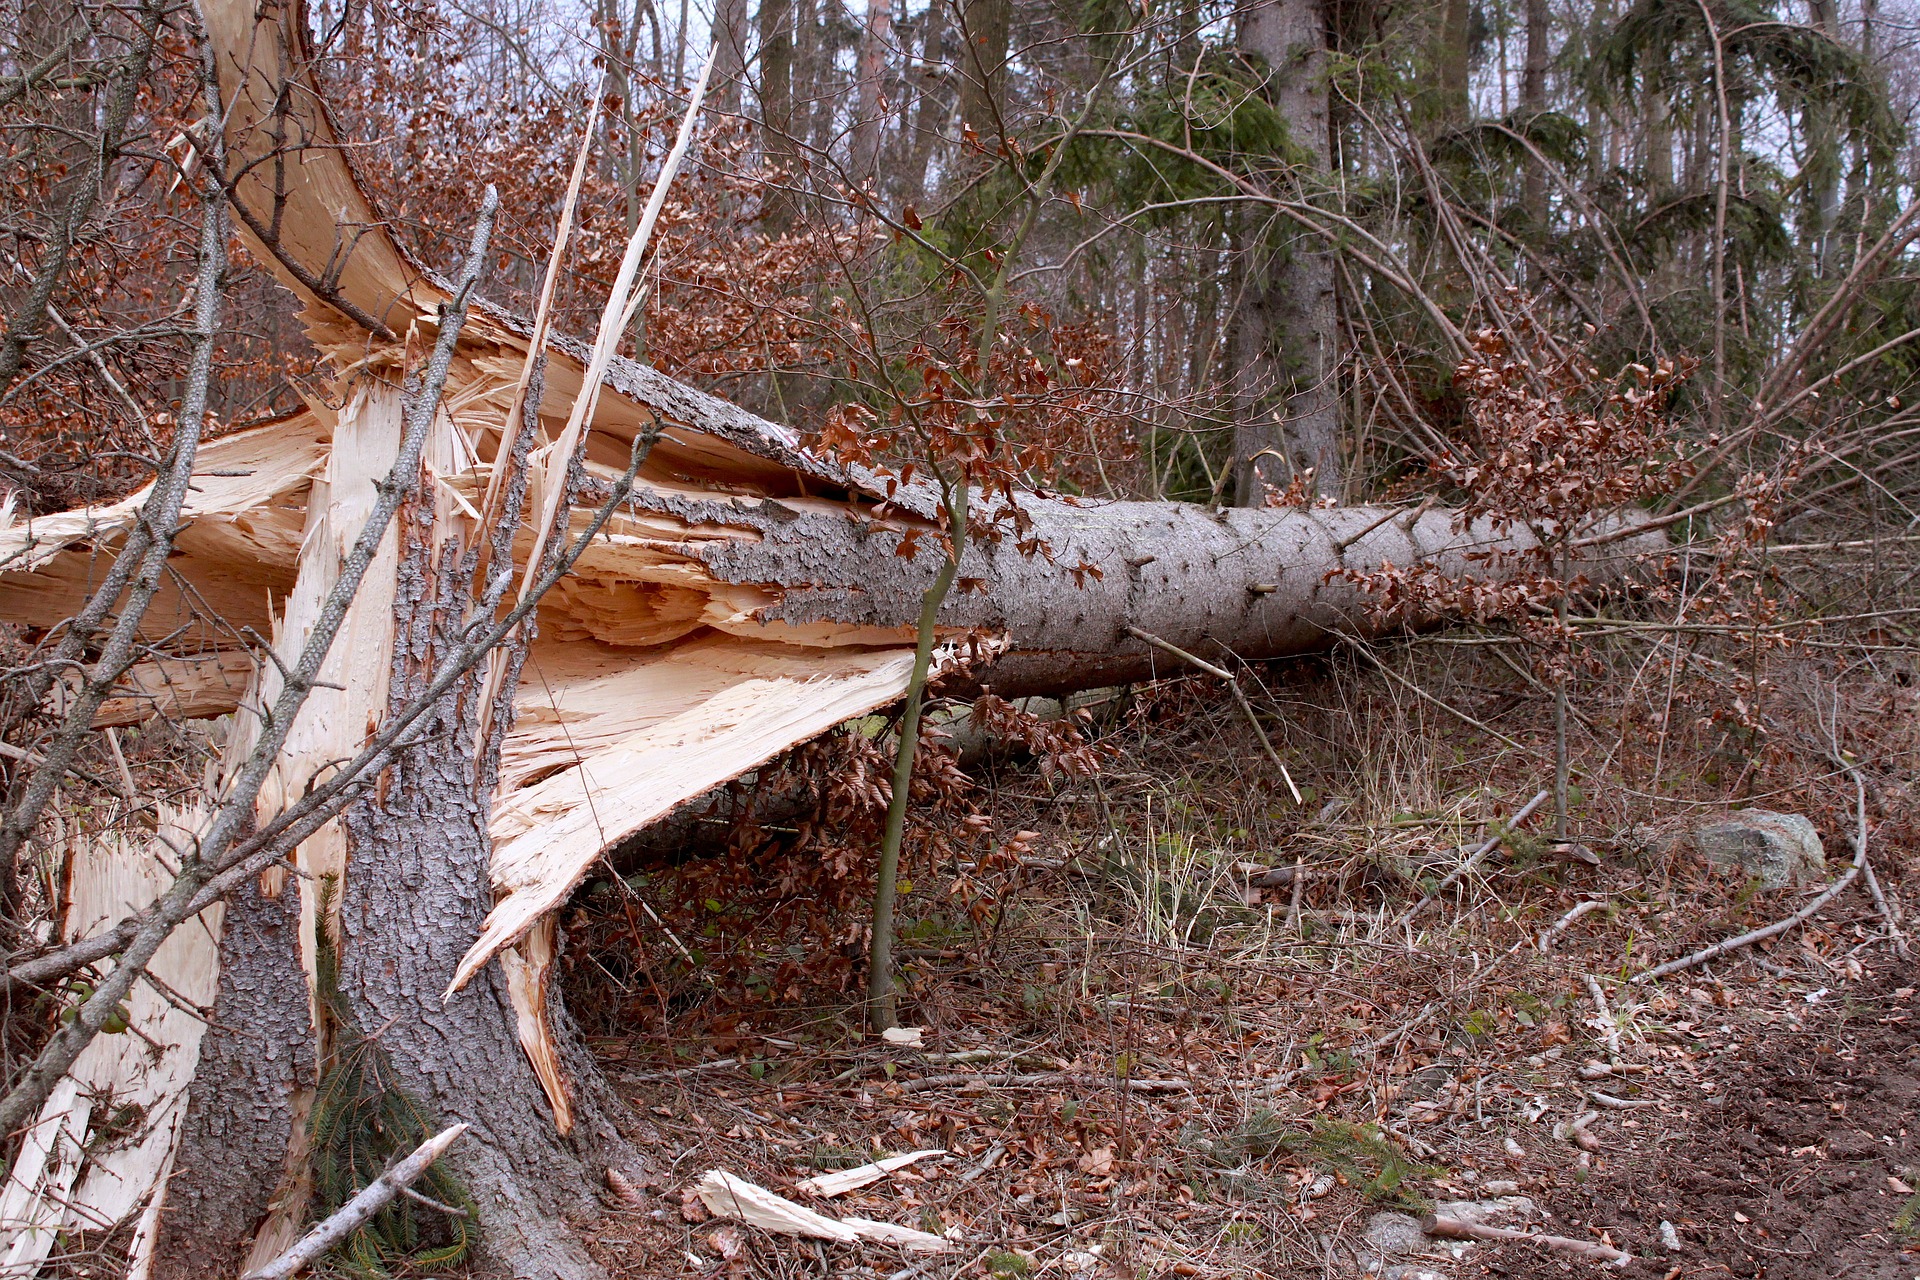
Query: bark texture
(730, 54)
(876, 48)
(1250, 583)
(986, 26)
(249, 1092)
(777, 141)
(416, 893)
(1283, 340)
(743, 598)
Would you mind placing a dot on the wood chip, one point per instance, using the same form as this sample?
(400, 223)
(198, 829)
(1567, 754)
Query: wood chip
(726, 1196)
(842, 1181)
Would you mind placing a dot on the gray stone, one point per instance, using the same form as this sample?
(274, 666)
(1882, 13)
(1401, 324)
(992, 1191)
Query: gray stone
(1395, 1234)
(1776, 849)
(1508, 1208)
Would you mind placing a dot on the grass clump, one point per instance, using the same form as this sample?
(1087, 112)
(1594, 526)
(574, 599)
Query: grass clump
(1365, 1158)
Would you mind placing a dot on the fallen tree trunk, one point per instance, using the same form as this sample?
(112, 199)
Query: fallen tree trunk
(744, 597)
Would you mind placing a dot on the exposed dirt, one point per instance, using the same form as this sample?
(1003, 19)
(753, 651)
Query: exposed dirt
(1792, 1165)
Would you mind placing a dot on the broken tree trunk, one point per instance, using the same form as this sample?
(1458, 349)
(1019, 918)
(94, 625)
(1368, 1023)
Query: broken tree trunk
(744, 598)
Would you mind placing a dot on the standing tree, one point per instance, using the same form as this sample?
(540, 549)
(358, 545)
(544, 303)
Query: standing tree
(1285, 327)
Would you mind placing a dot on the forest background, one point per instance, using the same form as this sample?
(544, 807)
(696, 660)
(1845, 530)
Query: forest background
(1531, 262)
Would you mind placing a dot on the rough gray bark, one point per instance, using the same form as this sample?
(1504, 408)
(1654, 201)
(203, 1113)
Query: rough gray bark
(730, 54)
(257, 1051)
(1533, 103)
(414, 899)
(876, 47)
(776, 109)
(1284, 332)
(985, 27)
(1250, 583)
(931, 111)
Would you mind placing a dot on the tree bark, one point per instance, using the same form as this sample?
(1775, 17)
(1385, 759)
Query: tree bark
(730, 54)
(776, 110)
(985, 28)
(1250, 584)
(249, 1098)
(1285, 335)
(1450, 103)
(743, 597)
(934, 105)
(417, 892)
(1533, 103)
(876, 44)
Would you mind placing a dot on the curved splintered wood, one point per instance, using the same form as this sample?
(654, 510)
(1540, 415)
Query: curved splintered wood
(296, 180)
(243, 517)
(732, 705)
(55, 1187)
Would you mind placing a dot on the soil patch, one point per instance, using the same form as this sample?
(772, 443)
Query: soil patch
(1793, 1166)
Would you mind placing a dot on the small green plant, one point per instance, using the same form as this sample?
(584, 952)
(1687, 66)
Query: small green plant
(1365, 1158)
(1260, 1134)
(1000, 1263)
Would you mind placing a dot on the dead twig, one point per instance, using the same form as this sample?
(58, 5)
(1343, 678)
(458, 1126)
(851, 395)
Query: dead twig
(318, 1242)
(1610, 1026)
(1473, 860)
(1560, 925)
(1778, 927)
(1441, 703)
(718, 1065)
(1233, 687)
(1455, 1229)
(1015, 1080)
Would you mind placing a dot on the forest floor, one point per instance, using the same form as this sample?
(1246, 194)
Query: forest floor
(1136, 1065)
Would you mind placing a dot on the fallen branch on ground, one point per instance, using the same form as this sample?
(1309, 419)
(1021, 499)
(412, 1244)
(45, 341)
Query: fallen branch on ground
(1233, 686)
(1778, 927)
(1005, 1080)
(1453, 877)
(1611, 1025)
(1560, 925)
(1455, 1229)
(318, 1242)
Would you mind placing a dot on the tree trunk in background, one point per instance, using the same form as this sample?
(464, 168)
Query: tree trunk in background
(1822, 164)
(876, 47)
(935, 105)
(730, 54)
(1533, 102)
(1450, 102)
(1285, 340)
(982, 66)
(776, 109)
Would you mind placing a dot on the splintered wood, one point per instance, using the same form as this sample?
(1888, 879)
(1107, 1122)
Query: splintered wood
(127, 1087)
(744, 598)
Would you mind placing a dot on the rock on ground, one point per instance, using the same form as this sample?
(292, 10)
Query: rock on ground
(1776, 849)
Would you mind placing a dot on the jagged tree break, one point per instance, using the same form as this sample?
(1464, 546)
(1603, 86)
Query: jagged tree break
(699, 594)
